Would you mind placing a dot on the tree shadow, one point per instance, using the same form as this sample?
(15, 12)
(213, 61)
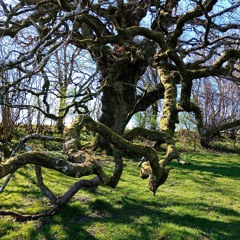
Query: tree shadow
(224, 149)
(231, 170)
(70, 220)
(78, 224)
(75, 222)
(218, 171)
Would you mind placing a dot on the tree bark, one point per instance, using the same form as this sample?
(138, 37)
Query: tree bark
(62, 104)
(84, 164)
(118, 94)
(153, 123)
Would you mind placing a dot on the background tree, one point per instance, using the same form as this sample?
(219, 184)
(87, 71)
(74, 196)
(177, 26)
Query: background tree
(219, 100)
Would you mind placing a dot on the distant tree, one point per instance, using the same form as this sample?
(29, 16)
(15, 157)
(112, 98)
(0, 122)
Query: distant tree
(10, 118)
(219, 100)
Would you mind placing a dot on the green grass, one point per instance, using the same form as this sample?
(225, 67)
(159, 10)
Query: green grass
(199, 201)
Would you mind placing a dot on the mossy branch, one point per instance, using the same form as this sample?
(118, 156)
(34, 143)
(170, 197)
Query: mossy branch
(145, 133)
(87, 166)
(126, 147)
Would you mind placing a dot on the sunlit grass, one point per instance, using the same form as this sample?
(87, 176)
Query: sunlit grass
(199, 201)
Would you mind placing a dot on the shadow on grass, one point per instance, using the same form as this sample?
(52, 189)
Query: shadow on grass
(24, 191)
(122, 217)
(127, 213)
(227, 169)
(225, 149)
(70, 223)
(233, 172)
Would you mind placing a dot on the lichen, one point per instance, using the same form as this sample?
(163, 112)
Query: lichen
(64, 169)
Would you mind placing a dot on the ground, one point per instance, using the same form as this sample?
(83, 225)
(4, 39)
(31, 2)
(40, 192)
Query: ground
(199, 201)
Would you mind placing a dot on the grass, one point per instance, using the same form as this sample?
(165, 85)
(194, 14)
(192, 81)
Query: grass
(199, 201)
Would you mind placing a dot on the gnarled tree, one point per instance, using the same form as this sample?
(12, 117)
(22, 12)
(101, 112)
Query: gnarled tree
(183, 41)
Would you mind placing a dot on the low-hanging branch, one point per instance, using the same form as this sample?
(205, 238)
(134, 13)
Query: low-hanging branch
(83, 164)
(21, 145)
(48, 160)
(86, 165)
(58, 204)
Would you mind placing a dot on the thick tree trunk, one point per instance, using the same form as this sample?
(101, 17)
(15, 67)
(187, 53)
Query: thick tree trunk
(115, 110)
(117, 102)
(121, 68)
(118, 97)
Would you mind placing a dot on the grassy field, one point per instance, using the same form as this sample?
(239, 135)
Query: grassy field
(199, 201)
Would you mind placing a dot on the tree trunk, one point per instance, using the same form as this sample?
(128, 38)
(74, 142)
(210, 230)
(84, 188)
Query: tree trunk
(39, 125)
(62, 106)
(153, 120)
(170, 114)
(119, 97)
(7, 123)
(115, 110)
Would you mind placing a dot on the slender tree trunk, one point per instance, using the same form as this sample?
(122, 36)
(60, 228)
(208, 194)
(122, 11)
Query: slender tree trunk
(7, 122)
(153, 120)
(38, 127)
(62, 106)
